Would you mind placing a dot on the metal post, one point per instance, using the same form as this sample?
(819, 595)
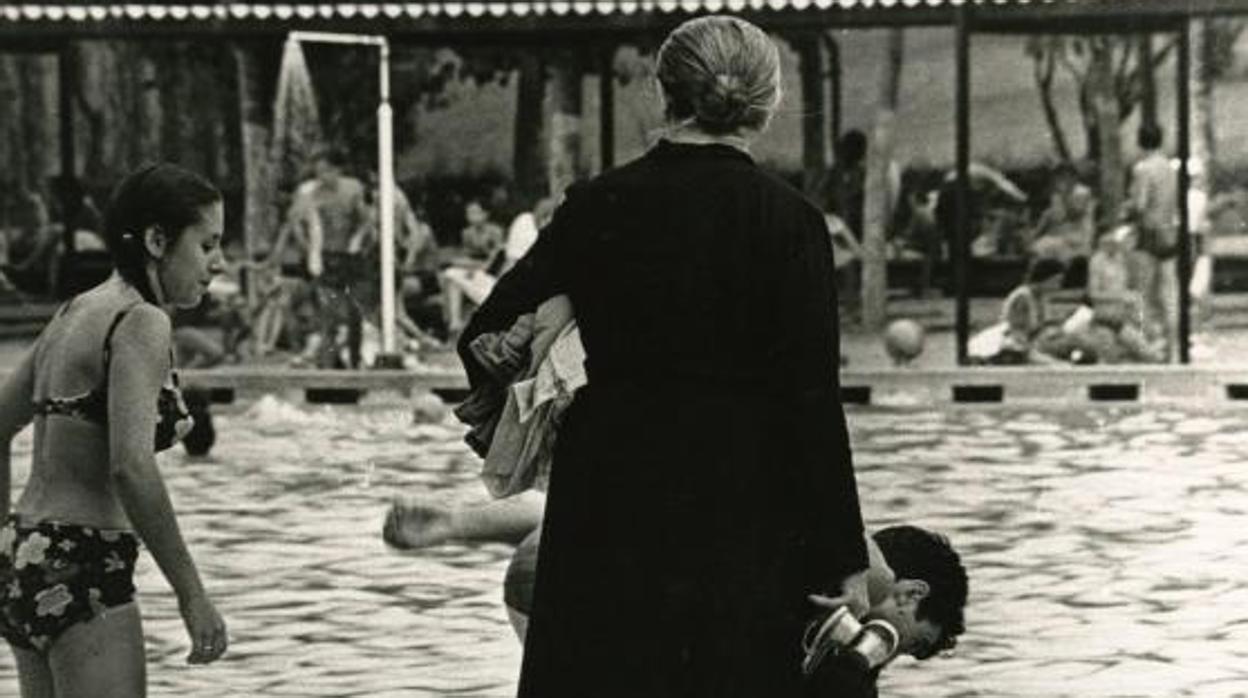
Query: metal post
(385, 178)
(834, 88)
(606, 108)
(1183, 98)
(962, 219)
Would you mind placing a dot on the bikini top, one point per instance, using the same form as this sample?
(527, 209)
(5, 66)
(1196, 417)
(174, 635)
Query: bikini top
(173, 419)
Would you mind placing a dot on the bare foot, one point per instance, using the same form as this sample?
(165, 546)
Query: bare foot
(412, 524)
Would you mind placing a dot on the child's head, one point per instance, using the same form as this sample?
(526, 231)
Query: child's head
(1127, 236)
(475, 213)
(202, 436)
(1107, 242)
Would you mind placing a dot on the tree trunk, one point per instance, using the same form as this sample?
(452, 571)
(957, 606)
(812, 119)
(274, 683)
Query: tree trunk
(1148, 82)
(528, 156)
(565, 122)
(1045, 66)
(148, 108)
(175, 103)
(814, 147)
(1106, 117)
(259, 200)
(878, 213)
(1204, 142)
(90, 102)
(38, 128)
(10, 123)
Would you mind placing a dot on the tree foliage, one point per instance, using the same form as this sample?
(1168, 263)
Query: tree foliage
(1135, 61)
(1131, 79)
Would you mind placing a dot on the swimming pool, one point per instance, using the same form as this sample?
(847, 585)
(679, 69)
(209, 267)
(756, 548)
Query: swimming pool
(1106, 547)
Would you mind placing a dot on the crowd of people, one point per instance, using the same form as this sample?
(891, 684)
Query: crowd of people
(697, 516)
(1097, 286)
(1115, 281)
(310, 291)
(319, 282)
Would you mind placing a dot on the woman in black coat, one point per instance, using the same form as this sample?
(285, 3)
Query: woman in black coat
(702, 484)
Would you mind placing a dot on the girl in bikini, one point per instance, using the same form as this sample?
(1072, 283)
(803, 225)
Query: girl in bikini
(100, 388)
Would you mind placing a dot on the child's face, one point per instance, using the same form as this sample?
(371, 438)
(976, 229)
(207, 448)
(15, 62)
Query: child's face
(1108, 244)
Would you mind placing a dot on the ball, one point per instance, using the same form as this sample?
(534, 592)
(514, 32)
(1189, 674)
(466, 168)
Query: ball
(903, 340)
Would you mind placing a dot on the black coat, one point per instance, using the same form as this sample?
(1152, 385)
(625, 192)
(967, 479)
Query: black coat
(702, 483)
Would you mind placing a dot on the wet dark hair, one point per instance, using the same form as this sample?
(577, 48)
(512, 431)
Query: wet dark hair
(1042, 270)
(851, 148)
(722, 72)
(916, 553)
(200, 439)
(333, 155)
(163, 195)
(1149, 137)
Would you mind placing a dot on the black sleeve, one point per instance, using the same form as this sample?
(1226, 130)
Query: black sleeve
(537, 276)
(811, 354)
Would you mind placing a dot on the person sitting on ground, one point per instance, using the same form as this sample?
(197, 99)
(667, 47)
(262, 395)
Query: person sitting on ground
(468, 277)
(1109, 280)
(33, 259)
(921, 234)
(522, 232)
(1023, 311)
(1022, 334)
(1065, 229)
(1115, 331)
(216, 331)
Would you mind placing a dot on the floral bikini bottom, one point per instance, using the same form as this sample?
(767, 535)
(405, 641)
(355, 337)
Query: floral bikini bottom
(55, 575)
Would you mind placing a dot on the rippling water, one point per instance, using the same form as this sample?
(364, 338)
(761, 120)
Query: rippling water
(1107, 551)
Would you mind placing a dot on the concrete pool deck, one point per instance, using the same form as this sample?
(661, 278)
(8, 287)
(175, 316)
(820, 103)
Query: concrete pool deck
(868, 377)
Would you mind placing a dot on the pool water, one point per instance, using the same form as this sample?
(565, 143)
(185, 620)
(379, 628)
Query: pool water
(1106, 548)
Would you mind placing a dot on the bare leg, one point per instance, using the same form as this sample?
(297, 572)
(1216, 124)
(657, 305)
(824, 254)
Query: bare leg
(415, 524)
(33, 673)
(453, 304)
(101, 658)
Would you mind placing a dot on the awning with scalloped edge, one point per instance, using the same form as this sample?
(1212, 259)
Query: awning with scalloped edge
(171, 12)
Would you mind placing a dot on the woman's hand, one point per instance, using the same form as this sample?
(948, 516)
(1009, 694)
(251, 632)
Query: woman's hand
(853, 594)
(206, 629)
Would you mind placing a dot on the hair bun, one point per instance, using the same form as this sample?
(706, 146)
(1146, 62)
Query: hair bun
(724, 102)
(720, 72)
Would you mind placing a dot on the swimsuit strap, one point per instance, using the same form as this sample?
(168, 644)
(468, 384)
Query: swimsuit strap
(108, 338)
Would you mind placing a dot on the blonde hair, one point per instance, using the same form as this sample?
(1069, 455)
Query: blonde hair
(720, 72)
